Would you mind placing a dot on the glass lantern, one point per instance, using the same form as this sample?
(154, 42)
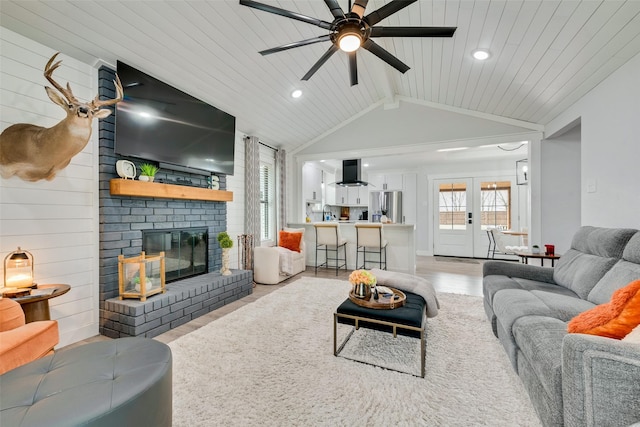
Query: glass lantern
(18, 269)
(141, 276)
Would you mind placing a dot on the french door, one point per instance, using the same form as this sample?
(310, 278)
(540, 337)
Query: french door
(466, 208)
(453, 224)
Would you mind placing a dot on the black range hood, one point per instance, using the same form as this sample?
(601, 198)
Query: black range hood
(351, 174)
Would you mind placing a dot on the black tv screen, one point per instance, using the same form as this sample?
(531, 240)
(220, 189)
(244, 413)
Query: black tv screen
(160, 123)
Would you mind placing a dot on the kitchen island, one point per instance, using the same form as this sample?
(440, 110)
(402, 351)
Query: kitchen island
(401, 247)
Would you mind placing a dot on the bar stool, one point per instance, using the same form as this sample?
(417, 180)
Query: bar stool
(370, 236)
(328, 236)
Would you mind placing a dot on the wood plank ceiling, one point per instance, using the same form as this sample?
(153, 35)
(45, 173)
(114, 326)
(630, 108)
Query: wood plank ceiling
(545, 55)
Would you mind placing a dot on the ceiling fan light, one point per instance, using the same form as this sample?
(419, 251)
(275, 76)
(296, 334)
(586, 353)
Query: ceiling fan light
(349, 41)
(481, 54)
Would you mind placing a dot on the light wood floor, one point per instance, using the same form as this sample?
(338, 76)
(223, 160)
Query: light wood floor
(452, 275)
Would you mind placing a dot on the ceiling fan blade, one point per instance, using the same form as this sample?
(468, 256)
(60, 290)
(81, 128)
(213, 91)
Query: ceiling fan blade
(383, 54)
(412, 31)
(286, 13)
(335, 8)
(358, 7)
(388, 9)
(353, 68)
(325, 38)
(321, 61)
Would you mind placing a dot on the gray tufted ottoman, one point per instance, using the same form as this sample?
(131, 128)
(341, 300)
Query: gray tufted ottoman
(122, 382)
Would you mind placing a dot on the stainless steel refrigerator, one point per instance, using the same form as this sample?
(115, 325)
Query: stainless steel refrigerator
(388, 201)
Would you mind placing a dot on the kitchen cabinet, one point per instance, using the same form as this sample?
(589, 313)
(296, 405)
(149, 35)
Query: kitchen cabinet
(358, 196)
(342, 195)
(409, 198)
(388, 181)
(351, 196)
(311, 182)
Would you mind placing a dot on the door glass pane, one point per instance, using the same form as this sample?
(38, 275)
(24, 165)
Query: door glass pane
(453, 206)
(495, 200)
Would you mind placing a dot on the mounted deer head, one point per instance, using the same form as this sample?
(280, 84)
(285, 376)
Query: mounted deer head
(33, 152)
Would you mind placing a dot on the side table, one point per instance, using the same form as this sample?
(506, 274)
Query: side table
(526, 255)
(36, 307)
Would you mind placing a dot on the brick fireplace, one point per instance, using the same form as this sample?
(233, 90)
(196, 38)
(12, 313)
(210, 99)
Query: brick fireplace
(123, 221)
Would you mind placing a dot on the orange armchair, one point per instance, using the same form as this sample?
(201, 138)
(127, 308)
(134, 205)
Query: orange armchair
(22, 343)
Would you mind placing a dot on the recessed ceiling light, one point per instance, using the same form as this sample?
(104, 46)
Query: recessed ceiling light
(481, 54)
(366, 165)
(442, 150)
(296, 93)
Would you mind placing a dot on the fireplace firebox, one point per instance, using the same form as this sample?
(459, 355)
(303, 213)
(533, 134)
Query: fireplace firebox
(186, 250)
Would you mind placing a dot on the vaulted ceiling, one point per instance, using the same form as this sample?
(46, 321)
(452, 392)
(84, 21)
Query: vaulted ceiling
(545, 55)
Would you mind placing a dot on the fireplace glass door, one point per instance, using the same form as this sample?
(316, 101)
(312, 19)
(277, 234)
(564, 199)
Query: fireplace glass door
(185, 250)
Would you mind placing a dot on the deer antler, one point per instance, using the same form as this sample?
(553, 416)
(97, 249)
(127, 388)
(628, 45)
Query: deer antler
(48, 72)
(97, 103)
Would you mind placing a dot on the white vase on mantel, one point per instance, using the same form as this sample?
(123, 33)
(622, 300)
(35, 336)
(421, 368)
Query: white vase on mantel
(225, 262)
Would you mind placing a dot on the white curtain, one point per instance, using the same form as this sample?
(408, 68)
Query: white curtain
(281, 170)
(252, 188)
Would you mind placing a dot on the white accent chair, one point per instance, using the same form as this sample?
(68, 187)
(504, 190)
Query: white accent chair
(273, 264)
(502, 246)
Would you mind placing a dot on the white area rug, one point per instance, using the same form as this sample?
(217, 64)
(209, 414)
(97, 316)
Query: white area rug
(271, 363)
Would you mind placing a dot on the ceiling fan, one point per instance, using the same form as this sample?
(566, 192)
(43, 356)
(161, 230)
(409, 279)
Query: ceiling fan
(348, 32)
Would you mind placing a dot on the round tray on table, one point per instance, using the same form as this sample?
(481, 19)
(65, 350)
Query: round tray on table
(382, 303)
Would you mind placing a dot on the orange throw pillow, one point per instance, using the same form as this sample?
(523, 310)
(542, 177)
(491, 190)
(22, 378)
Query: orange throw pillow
(614, 319)
(290, 240)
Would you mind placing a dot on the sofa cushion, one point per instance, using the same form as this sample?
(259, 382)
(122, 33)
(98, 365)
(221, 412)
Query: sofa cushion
(603, 242)
(564, 307)
(289, 240)
(623, 272)
(614, 319)
(493, 284)
(540, 341)
(593, 252)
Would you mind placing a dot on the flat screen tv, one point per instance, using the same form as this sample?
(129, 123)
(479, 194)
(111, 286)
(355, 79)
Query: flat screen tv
(158, 122)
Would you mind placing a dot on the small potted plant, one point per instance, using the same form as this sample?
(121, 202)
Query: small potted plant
(147, 172)
(226, 243)
(535, 249)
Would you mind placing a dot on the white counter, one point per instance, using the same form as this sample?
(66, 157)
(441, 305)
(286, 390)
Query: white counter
(401, 247)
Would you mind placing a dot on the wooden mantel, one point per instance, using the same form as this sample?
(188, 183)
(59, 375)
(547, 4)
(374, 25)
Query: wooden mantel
(130, 187)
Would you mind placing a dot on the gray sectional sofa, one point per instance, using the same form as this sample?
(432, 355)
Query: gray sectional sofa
(572, 379)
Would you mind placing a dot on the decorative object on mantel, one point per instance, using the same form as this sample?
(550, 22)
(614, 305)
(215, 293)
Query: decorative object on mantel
(362, 281)
(226, 244)
(18, 269)
(141, 276)
(126, 169)
(214, 182)
(522, 172)
(33, 152)
(147, 172)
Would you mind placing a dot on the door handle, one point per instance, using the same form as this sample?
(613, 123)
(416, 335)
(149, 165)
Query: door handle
(469, 217)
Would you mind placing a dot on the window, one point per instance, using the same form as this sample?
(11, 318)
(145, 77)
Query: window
(267, 194)
(496, 205)
(453, 206)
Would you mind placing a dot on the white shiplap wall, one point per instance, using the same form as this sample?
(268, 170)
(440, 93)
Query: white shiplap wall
(57, 221)
(235, 209)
